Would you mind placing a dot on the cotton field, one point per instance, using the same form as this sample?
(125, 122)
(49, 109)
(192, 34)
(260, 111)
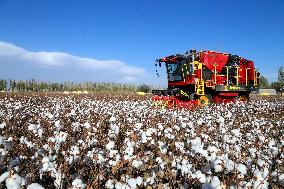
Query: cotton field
(121, 141)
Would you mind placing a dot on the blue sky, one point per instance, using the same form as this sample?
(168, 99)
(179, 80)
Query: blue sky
(58, 40)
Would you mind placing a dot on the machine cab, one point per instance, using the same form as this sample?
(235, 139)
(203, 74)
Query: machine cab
(178, 70)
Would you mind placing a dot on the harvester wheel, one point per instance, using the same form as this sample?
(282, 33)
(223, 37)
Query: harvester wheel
(203, 100)
(243, 98)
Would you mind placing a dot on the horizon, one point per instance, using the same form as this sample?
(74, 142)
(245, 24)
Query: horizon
(118, 42)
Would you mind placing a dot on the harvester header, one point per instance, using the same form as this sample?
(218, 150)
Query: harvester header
(206, 76)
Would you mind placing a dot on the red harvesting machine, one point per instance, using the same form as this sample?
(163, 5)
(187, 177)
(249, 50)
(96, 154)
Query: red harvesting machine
(197, 78)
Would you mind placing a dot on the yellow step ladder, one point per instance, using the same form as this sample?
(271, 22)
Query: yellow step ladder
(199, 87)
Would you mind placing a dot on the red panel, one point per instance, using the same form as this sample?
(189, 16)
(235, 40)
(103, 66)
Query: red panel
(209, 58)
(220, 80)
(229, 94)
(251, 70)
(242, 71)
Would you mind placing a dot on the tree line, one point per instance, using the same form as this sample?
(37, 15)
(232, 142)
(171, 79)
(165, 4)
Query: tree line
(277, 85)
(41, 86)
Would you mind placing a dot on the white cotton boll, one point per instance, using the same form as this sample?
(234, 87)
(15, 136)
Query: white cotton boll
(218, 165)
(160, 127)
(40, 132)
(176, 127)
(265, 172)
(260, 184)
(129, 151)
(109, 184)
(248, 185)
(229, 164)
(196, 145)
(212, 149)
(185, 169)
(242, 169)
(29, 144)
(57, 124)
(137, 163)
(274, 174)
(3, 125)
(52, 139)
(116, 129)
(14, 182)
(252, 152)
(101, 158)
(144, 138)
(61, 137)
(260, 162)
(281, 179)
(58, 179)
(167, 130)
(200, 176)
(110, 145)
(150, 131)
(183, 125)
(4, 176)
(271, 143)
(117, 157)
(132, 183)
(2, 139)
(215, 182)
(119, 185)
(112, 153)
(139, 180)
(49, 115)
(206, 186)
(112, 119)
(180, 146)
(229, 114)
(73, 112)
(78, 184)
(45, 159)
(45, 167)
(221, 120)
(138, 126)
(75, 150)
(32, 127)
(258, 174)
(261, 138)
(80, 141)
(112, 163)
(150, 180)
(35, 186)
(159, 160)
(190, 124)
(199, 122)
(87, 125)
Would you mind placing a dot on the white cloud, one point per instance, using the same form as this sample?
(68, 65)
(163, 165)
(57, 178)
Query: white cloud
(115, 69)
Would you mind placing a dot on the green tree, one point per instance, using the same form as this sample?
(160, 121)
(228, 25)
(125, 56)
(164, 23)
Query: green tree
(263, 83)
(144, 88)
(279, 85)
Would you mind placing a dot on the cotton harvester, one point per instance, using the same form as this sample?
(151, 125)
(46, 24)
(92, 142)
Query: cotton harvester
(206, 76)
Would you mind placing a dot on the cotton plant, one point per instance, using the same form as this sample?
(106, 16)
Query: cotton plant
(12, 180)
(122, 142)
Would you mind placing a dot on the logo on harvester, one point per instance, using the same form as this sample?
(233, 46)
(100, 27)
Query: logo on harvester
(232, 87)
